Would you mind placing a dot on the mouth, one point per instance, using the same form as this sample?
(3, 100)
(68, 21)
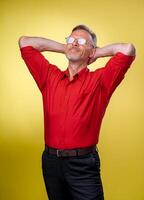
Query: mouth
(74, 49)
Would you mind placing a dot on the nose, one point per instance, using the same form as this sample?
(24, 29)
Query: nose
(75, 42)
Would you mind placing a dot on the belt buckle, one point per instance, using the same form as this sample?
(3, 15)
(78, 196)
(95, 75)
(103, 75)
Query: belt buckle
(59, 153)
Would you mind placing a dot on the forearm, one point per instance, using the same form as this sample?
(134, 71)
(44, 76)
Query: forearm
(41, 44)
(112, 49)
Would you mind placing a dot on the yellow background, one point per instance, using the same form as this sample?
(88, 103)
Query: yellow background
(121, 144)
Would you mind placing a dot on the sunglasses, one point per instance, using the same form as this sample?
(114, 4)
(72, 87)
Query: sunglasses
(81, 41)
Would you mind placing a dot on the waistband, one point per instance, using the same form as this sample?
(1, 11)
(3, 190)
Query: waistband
(71, 152)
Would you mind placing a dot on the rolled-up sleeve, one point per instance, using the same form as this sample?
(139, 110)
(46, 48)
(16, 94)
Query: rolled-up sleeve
(114, 71)
(38, 65)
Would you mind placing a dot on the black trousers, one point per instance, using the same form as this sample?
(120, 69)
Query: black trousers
(72, 178)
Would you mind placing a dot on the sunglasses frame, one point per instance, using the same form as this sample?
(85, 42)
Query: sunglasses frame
(79, 40)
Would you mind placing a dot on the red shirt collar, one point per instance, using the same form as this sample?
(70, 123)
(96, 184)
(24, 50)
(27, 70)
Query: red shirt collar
(79, 74)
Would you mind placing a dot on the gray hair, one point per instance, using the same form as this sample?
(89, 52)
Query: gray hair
(84, 27)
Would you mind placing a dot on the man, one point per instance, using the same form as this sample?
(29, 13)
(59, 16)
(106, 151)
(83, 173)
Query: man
(74, 103)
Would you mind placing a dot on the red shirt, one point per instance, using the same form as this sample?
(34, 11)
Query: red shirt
(73, 110)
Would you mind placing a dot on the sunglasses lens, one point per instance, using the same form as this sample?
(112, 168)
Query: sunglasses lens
(81, 41)
(70, 40)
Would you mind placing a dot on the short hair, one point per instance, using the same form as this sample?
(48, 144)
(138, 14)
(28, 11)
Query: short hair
(84, 27)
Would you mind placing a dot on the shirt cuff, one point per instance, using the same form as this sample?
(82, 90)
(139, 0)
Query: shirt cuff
(126, 58)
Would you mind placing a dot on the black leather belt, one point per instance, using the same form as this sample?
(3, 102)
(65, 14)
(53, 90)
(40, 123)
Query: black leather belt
(70, 152)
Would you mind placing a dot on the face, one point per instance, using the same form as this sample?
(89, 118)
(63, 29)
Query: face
(79, 52)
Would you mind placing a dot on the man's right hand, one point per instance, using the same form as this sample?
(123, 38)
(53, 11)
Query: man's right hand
(42, 44)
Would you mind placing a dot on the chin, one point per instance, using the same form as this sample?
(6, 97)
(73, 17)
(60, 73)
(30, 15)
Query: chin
(73, 57)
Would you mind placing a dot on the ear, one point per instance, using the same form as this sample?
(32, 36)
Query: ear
(92, 56)
(92, 52)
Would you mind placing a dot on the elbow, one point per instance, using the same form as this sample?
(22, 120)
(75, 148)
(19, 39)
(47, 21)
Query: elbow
(23, 41)
(130, 49)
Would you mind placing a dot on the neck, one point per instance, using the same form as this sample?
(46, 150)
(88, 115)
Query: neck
(75, 67)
